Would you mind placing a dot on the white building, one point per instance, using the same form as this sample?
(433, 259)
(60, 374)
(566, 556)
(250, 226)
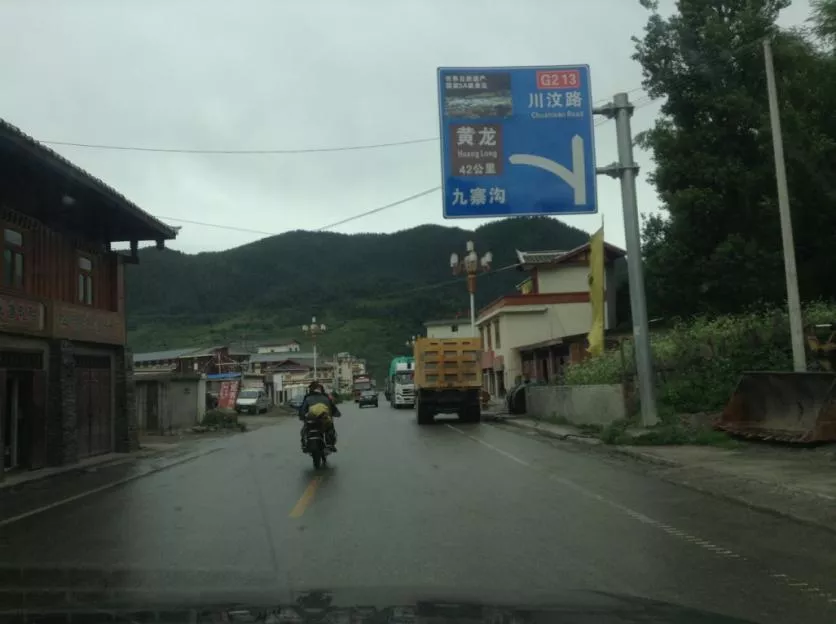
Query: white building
(543, 326)
(455, 328)
(290, 346)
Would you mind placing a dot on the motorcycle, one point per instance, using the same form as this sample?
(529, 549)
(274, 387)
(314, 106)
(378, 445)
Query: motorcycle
(315, 444)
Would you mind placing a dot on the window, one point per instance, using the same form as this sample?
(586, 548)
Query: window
(496, 331)
(12, 258)
(85, 280)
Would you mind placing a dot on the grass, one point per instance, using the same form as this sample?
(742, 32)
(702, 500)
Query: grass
(665, 434)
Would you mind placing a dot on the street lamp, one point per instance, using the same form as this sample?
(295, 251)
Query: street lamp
(313, 330)
(471, 264)
(411, 341)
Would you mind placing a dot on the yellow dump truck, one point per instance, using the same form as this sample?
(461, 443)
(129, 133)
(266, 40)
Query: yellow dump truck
(448, 378)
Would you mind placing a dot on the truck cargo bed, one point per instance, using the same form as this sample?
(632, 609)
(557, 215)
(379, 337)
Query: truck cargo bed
(448, 363)
(448, 378)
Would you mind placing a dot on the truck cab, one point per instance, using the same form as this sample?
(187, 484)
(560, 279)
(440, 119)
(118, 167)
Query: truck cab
(403, 389)
(400, 382)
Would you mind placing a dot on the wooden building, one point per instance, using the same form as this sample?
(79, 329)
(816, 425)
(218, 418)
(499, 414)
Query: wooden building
(65, 373)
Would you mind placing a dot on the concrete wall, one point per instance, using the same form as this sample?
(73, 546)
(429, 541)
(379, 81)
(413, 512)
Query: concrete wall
(563, 279)
(186, 402)
(576, 279)
(580, 405)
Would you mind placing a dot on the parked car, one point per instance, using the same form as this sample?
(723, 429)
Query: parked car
(252, 401)
(295, 402)
(368, 397)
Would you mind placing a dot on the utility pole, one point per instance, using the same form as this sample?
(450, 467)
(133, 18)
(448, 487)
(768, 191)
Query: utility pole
(625, 170)
(799, 357)
(313, 330)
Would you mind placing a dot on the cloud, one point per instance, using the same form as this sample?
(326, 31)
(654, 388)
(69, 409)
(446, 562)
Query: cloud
(261, 74)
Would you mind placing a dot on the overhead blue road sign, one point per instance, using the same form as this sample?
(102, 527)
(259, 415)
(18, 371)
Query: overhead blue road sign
(517, 141)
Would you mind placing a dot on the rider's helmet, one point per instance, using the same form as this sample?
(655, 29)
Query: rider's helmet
(316, 387)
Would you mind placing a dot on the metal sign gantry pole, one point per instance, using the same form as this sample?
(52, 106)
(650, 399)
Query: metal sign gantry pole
(626, 170)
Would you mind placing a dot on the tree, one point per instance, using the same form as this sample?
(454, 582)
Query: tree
(718, 249)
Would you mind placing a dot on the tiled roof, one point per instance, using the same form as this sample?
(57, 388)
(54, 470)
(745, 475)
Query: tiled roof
(278, 343)
(202, 352)
(529, 258)
(284, 356)
(539, 257)
(16, 134)
(171, 354)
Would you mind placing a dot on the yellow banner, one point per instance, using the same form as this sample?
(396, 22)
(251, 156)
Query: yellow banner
(597, 285)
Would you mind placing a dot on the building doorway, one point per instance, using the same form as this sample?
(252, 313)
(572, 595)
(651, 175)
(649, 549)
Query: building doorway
(94, 412)
(17, 420)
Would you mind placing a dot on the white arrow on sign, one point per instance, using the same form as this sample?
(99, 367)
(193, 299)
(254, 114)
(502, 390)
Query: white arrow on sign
(576, 178)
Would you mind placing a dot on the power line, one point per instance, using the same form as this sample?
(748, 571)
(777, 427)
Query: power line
(646, 99)
(268, 151)
(219, 226)
(229, 152)
(236, 228)
(381, 209)
(641, 102)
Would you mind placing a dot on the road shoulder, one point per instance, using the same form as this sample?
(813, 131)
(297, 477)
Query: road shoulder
(799, 484)
(32, 492)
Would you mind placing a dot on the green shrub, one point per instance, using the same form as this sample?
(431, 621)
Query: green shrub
(605, 369)
(616, 432)
(698, 361)
(220, 418)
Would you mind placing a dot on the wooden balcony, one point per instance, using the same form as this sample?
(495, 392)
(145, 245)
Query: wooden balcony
(50, 318)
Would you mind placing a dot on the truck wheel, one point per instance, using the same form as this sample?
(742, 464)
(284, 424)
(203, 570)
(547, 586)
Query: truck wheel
(425, 416)
(471, 414)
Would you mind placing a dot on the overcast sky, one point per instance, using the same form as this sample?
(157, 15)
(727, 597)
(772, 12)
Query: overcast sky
(292, 74)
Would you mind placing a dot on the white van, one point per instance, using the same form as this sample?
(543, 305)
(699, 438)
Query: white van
(252, 401)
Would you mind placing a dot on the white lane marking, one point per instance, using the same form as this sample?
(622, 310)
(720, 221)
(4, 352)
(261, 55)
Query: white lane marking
(673, 531)
(492, 447)
(102, 488)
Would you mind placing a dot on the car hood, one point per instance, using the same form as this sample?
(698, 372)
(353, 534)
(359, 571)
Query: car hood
(375, 606)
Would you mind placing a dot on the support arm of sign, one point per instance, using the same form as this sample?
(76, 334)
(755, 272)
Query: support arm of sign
(575, 178)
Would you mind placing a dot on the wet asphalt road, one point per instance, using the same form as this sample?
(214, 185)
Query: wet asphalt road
(476, 511)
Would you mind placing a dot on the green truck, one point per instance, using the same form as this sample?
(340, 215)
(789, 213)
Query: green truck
(399, 389)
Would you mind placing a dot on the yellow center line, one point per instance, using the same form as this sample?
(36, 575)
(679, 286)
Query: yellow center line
(305, 500)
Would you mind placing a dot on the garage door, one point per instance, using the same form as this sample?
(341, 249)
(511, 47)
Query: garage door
(94, 405)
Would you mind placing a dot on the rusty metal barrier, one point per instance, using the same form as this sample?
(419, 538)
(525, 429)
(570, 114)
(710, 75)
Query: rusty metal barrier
(784, 406)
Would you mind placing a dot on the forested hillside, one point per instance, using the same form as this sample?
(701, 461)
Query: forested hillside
(372, 290)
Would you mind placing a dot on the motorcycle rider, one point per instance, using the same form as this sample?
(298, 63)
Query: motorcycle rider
(316, 395)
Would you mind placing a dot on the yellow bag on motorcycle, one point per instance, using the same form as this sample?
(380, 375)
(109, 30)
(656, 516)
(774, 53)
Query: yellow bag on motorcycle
(321, 411)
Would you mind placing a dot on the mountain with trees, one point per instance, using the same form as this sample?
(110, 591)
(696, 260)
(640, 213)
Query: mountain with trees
(373, 291)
